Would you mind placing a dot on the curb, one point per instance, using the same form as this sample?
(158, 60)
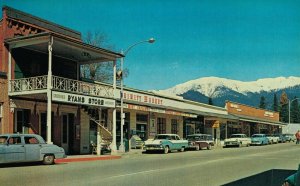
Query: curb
(68, 160)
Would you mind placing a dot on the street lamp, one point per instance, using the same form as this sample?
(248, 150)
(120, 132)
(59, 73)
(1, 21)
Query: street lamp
(120, 74)
(290, 101)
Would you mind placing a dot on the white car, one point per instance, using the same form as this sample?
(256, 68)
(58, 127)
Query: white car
(272, 139)
(237, 140)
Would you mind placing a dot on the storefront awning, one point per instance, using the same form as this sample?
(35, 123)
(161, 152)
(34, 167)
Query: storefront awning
(210, 114)
(258, 120)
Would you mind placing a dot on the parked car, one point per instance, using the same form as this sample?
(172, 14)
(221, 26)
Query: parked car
(166, 143)
(281, 138)
(290, 137)
(259, 139)
(272, 138)
(200, 141)
(237, 140)
(28, 148)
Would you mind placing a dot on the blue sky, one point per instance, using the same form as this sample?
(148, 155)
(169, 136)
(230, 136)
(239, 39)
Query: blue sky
(236, 39)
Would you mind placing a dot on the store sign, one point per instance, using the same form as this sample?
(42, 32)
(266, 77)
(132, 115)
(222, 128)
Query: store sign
(142, 98)
(82, 100)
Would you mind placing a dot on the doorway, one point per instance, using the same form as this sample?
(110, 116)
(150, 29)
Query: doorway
(67, 132)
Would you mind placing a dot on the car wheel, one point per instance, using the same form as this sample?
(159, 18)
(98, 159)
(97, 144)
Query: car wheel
(182, 149)
(209, 147)
(48, 159)
(166, 149)
(197, 147)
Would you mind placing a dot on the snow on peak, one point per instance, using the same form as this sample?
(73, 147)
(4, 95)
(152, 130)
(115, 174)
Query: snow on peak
(209, 85)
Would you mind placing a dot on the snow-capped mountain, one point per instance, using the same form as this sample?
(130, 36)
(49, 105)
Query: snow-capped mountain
(221, 89)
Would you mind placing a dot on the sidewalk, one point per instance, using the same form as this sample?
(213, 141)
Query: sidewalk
(80, 158)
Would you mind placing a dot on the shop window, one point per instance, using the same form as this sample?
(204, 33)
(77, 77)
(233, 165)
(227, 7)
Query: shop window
(22, 121)
(141, 126)
(174, 126)
(142, 118)
(161, 125)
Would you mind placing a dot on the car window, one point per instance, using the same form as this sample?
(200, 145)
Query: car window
(177, 138)
(30, 140)
(3, 139)
(14, 140)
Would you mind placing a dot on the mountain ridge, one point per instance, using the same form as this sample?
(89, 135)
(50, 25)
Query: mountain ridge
(246, 92)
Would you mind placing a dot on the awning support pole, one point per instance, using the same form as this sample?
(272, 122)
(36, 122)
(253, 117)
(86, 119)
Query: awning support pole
(49, 87)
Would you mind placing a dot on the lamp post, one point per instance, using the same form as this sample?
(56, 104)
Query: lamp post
(120, 74)
(290, 101)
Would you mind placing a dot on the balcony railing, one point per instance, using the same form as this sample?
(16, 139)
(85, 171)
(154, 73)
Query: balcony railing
(28, 84)
(61, 84)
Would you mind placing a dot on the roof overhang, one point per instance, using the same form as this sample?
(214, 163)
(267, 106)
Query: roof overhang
(258, 120)
(63, 47)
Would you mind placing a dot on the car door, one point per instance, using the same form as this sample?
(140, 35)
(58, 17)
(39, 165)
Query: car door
(32, 148)
(14, 150)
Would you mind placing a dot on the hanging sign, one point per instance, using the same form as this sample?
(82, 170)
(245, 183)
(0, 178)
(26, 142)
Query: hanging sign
(82, 99)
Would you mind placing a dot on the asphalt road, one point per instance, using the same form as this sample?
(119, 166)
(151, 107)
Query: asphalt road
(206, 167)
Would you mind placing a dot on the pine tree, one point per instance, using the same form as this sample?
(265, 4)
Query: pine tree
(210, 102)
(295, 117)
(275, 103)
(284, 110)
(262, 103)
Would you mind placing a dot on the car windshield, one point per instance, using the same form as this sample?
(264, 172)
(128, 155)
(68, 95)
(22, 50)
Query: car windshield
(194, 137)
(3, 139)
(236, 136)
(167, 137)
(256, 136)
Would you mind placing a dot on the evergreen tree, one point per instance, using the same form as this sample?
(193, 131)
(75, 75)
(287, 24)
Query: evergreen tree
(210, 102)
(295, 112)
(284, 110)
(275, 103)
(262, 103)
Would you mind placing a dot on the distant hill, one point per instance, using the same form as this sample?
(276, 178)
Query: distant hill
(249, 93)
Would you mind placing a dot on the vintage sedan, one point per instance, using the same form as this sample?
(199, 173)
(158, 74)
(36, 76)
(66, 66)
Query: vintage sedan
(259, 139)
(237, 140)
(200, 141)
(272, 138)
(28, 148)
(166, 143)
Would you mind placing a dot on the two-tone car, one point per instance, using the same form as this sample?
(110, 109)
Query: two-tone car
(237, 140)
(16, 148)
(200, 141)
(166, 143)
(259, 139)
(272, 138)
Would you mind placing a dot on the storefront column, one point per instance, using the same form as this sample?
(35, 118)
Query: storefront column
(9, 69)
(226, 125)
(114, 129)
(49, 87)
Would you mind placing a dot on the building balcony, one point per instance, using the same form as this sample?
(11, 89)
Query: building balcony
(38, 84)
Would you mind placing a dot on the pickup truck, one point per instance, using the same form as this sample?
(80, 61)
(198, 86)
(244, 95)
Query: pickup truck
(237, 140)
(166, 143)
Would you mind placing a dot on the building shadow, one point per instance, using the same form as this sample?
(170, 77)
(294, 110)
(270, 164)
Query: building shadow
(273, 177)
